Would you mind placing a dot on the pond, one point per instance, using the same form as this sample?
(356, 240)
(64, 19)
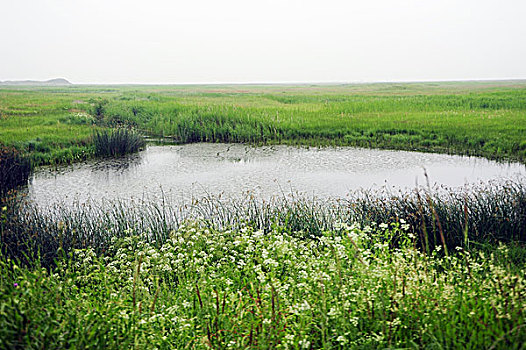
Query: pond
(180, 173)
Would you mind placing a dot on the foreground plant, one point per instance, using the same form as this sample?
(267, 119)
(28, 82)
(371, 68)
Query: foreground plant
(352, 287)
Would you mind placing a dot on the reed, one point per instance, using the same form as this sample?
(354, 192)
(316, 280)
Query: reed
(14, 170)
(485, 214)
(117, 142)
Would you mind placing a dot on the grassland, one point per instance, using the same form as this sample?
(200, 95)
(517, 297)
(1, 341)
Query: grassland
(44, 125)
(54, 125)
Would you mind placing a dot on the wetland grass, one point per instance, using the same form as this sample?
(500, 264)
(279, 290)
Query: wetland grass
(435, 268)
(477, 215)
(293, 273)
(483, 119)
(14, 170)
(117, 142)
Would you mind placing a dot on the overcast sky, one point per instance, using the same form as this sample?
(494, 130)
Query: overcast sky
(162, 41)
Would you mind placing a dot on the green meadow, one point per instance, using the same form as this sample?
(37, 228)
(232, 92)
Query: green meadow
(377, 270)
(55, 124)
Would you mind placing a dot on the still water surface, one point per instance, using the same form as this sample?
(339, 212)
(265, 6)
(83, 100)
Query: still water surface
(191, 171)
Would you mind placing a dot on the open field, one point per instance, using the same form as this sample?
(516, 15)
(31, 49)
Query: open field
(54, 124)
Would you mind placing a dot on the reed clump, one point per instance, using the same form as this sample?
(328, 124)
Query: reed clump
(117, 142)
(14, 169)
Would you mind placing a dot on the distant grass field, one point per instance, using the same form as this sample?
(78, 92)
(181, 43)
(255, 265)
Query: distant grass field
(55, 124)
(44, 124)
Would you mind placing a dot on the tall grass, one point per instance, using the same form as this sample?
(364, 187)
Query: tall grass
(477, 215)
(464, 124)
(14, 170)
(117, 142)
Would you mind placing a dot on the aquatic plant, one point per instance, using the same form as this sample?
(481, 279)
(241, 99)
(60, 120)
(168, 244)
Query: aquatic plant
(117, 142)
(14, 169)
(485, 214)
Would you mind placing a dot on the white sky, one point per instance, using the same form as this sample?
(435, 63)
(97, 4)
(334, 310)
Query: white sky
(162, 41)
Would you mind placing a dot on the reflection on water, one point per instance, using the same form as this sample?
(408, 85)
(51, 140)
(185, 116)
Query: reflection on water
(196, 170)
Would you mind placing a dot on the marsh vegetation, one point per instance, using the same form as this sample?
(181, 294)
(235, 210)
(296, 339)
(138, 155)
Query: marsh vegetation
(429, 268)
(117, 142)
(14, 170)
(54, 124)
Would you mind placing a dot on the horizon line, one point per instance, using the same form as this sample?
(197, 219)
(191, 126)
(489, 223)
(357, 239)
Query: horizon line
(357, 82)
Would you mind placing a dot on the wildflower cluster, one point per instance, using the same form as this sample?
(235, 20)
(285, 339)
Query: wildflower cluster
(353, 286)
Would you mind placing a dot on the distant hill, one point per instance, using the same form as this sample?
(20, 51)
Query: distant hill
(51, 82)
